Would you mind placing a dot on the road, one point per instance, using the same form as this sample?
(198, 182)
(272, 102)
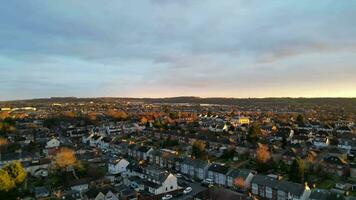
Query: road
(197, 188)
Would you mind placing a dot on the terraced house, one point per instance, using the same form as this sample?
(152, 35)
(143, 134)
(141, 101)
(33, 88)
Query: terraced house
(195, 168)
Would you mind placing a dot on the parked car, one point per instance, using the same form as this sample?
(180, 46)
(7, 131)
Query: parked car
(187, 190)
(208, 182)
(167, 197)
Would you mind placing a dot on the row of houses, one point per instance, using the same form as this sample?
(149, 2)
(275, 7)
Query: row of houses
(269, 187)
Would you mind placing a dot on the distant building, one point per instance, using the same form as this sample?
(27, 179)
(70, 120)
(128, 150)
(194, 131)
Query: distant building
(240, 121)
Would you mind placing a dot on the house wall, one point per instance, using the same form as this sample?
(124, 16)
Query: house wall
(80, 188)
(217, 177)
(119, 167)
(169, 185)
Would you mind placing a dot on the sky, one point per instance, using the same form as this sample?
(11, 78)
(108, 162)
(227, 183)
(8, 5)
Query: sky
(165, 48)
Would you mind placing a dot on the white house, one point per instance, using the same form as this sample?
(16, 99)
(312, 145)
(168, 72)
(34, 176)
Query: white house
(118, 166)
(166, 182)
(53, 143)
(321, 142)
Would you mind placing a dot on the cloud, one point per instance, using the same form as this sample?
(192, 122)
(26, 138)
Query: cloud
(167, 48)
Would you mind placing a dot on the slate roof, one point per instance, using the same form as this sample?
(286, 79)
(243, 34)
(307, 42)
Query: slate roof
(264, 180)
(197, 163)
(92, 193)
(296, 189)
(318, 194)
(218, 168)
(143, 149)
(156, 153)
(152, 184)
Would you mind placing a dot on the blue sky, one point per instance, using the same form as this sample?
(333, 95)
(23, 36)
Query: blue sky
(161, 48)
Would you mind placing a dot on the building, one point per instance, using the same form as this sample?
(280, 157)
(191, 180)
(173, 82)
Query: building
(262, 186)
(161, 183)
(195, 168)
(53, 143)
(240, 178)
(288, 190)
(218, 173)
(336, 165)
(118, 166)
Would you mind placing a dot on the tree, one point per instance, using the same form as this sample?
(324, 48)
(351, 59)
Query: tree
(157, 124)
(65, 158)
(11, 175)
(117, 115)
(262, 154)
(228, 154)
(198, 150)
(4, 114)
(16, 171)
(3, 143)
(284, 142)
(253, 132)
(297, 169)
(69, 114)
(169, 142)
(300, 118)
(6, 182)
(7, 125)
(239, 182)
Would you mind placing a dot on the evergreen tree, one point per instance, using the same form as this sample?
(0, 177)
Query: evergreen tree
(253, 132)
(296, 173)
(300, 118)
(198, 150)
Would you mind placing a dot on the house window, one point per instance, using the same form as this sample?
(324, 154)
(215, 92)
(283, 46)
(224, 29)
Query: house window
(171, 187)
(254, 188)
(269, 192)
(281, 195)
(166, 189)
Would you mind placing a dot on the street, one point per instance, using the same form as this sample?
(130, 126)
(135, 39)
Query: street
(197, 188)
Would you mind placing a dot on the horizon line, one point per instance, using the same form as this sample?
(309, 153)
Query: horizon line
(167, 97)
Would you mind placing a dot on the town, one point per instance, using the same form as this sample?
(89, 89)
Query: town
(178, 148)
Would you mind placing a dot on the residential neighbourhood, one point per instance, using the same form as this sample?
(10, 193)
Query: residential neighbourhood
(87, 150)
